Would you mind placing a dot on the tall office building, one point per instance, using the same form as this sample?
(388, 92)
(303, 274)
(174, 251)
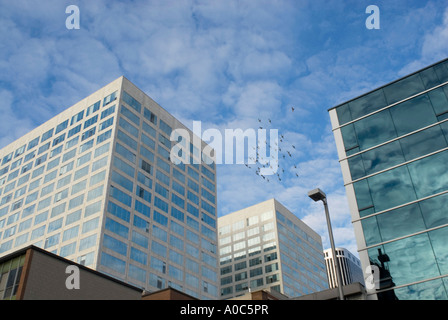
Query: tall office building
(350, 265)
(265, 246)
(393, 151)
(97, 184)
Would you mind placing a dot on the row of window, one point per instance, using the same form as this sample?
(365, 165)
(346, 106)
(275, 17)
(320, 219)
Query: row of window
(397, 91)
(241, 287)
(136, 273)
(59, 206)
(401, 119)
(61, 127)
(313, 247)
(46, 181)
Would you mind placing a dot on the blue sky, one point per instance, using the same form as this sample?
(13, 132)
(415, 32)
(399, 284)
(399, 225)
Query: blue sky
(227, 64)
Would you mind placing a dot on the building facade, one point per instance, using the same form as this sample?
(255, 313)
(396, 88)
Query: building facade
(350, 267)
(97, 184)
(32, 273)
(265, 246)
(393, 151)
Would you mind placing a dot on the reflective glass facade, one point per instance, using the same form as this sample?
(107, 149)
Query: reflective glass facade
(393, 149)
(97, 185)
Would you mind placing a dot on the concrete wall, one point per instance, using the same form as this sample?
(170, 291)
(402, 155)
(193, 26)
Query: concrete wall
(45, 278)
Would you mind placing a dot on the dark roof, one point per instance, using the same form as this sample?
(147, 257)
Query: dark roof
(22, 251)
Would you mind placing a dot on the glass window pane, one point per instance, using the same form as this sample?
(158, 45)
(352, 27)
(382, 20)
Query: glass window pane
(349, 137)
(434, 211)
(413, 114)
(417, 145)
(375, 129)
(411, 259)
(363, 197)
(430, 174)
(400, 222)
(442, 71)
(429, 78)
(428, 290)
(403, 88)
(438, 240)
(344, 114)
(391, 188)
(439, 100)
(366, 104)
(382, 157)
(371, 231)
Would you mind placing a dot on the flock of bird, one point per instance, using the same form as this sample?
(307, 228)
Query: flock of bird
(260, 162)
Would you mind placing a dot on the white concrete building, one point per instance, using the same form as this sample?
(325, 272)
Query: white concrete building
(95, 185)
(350, 267)
(265, 246)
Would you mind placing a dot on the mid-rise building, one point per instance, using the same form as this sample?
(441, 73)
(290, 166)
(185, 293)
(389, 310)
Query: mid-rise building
(97, 184)
(350, 267)
(393, 151)
(265, 246)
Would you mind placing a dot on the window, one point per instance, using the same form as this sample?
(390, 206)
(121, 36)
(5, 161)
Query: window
(128, 141)
(113, 263)
(108, 99)
(140, 239)
(131, 116)
(140, 223)
(145, 166)
(93, 108)
(162, 190)
(95, 193)
(165, 127)
(74, 131)
(160, 218)
(73, 142)
(121, 196)
(61, 127)
(76, 118)
(123, 166)
(132, 102)
(106, 124)
(90, 121)
(104, 136)
(128, 127)
(125, 153)
(108, 112)
(47, 135)
(162, 205)
(87, 134)
(122, 181)
(146, 153)
(150, 116)
(116, 228)
(115, 245)
(33, 143)
(61, 195)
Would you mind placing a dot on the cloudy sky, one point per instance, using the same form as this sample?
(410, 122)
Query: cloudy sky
(226, 64)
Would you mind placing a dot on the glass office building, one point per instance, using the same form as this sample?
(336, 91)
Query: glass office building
(97, 184)
(393, 150)
(267, 247)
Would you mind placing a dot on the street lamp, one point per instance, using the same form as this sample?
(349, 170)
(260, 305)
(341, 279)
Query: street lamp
(319, 195)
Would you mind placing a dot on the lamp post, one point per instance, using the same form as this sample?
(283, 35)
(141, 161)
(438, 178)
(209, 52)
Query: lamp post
(319, 195)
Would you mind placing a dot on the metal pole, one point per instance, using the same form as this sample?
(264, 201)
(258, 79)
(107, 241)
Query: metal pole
(333, 251)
